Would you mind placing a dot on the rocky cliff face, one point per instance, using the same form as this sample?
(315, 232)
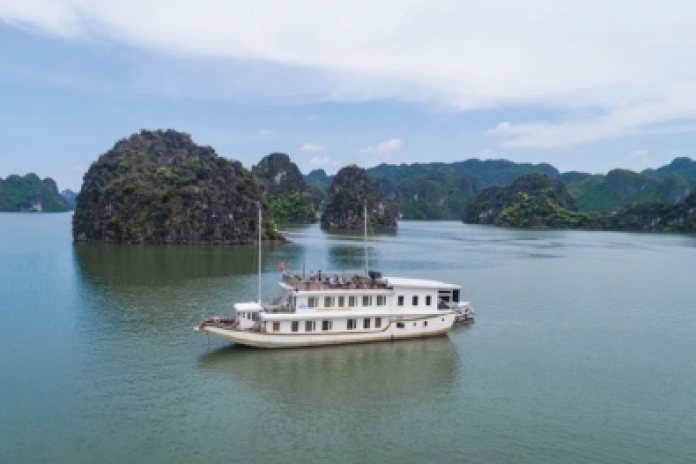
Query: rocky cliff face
(490, 203)
(542, 202)
(160, 187)
(290, 199)
(350, 190)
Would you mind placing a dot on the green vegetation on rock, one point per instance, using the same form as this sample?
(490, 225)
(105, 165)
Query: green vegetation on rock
(290, 198)
(683, 167)
(350, 190)
(160, 187)
(29, 193)
(621, 188)
(537, 201)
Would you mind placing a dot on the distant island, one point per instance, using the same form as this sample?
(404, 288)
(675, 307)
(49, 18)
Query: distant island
(160, 187)
(31, 194)
(538, 201)
(434, 191)
(290, 198)
(350, 193)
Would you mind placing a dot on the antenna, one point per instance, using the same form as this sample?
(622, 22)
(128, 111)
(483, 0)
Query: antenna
(258, 203)
(367, 261)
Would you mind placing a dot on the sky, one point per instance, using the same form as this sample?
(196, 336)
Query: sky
(585, 85)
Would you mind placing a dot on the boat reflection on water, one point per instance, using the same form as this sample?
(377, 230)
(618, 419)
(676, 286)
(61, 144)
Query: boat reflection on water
(123, 265)
(332, 376)
(159, 289)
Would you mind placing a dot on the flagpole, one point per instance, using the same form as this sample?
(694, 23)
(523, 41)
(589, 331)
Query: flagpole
(259, 205)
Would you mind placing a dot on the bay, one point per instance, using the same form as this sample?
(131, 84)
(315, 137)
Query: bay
(582, 352)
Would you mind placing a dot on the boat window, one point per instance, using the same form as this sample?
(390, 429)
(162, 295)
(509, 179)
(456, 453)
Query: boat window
(309, 326)
(366, 323)
(381, 300)
(428, 300)
(351, 301)
(378, 322)
(415, 300)
(328, 301)
(367, 300)
(352, 324)
(341, 301)
(455, 296)
(425, 323)
(312, 302)
(400, 325)
(400, 300)
(326, 325)
(295, 326)
(255, 317)
(276, 326)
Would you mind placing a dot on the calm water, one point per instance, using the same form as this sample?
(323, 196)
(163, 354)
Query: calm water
(583, 351)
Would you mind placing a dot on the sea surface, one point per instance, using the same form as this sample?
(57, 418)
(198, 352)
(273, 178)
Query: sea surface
(583, 350)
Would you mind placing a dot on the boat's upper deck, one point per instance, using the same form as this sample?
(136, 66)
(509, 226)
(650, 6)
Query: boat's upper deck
(326, 282)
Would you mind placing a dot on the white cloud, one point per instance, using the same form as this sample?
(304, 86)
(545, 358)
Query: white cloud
(320, 161)
(311, 147)
(673, 111)
(383, 148)
(613, 67)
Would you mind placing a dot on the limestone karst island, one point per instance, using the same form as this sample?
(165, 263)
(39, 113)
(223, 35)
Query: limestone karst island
(161, 187)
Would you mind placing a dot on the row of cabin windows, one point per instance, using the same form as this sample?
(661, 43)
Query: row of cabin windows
(340, 301)
(310, 326)
(414, 300)
(402, 325)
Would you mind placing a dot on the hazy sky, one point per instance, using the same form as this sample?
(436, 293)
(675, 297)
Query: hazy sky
(585, 85)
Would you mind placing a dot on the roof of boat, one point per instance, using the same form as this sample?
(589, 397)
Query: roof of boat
(419, 283)
(250, 306)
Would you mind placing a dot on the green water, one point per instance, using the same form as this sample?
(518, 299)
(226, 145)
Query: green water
(583, 351)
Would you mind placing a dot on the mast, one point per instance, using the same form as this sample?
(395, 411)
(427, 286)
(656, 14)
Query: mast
(259, 205)
(367, 262)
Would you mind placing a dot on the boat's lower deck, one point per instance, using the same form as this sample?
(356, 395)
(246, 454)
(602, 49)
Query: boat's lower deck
(393, 329)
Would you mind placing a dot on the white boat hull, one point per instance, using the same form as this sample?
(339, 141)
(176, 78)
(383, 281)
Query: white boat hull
(437, 325)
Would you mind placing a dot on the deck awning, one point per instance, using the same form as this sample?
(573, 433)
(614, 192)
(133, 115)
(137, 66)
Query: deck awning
(251, 307)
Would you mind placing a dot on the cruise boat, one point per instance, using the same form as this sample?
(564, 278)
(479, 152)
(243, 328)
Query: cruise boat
(328, 309)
